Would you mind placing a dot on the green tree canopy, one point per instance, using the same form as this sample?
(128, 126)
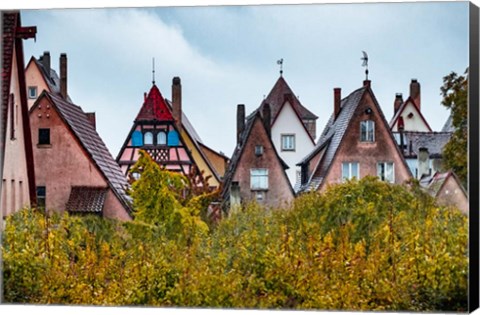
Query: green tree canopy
(455, 94)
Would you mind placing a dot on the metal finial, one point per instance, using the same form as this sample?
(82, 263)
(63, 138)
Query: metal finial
(365, 63)
(280, 62)
(153, 70)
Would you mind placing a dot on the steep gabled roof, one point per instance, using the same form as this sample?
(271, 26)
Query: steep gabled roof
(276, 98)
(433, 141)
(331, 138)
(88, 138)
(434, 184)
(51, 79)
(237, 153)
(154, 107)
(402, 108)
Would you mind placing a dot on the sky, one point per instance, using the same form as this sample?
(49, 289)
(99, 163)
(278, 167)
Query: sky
(227, 55)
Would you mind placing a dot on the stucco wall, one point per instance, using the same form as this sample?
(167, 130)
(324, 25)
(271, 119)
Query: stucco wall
(452, 194)
(64, 163)
(279, 190)
(15, 193)
(367, 154)
(415, 123)
(33, 77)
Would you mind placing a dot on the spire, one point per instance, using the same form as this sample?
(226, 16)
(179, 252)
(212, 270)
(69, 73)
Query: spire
(365, 64)
(153, 70)
(280, 62)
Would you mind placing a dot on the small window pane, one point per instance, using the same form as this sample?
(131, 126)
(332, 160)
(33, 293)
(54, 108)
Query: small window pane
(161, 138)
(41, 197)
(367, 131)
(258, 150)
(288, 142)
(44, 136)
(259, 178)
(148, 138)
(32, 92)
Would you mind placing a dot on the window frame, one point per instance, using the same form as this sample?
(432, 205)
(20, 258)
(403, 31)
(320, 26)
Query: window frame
(43, 204)
(40, 142)
(385, 165)
(368, 133)
(258, 181)
(149, 132)
(32, 88)
(287, 136)
(157, 138)
(259, 150)
(350, 176)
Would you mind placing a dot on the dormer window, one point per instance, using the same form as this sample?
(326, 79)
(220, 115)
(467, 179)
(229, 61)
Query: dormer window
(367, 131)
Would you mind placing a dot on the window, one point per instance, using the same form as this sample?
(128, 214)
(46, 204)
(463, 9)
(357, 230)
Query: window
(44, 136)
(41, 197)
(367, 131)
(350, 170)
(137, 139)
(259, 179)
(385, 171)
(258, 150)
(32, 92)
(148, 138)
(288, 142)
(172, 138)
(162, 138)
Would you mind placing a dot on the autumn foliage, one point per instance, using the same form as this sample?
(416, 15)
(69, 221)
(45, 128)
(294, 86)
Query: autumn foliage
(364, 245)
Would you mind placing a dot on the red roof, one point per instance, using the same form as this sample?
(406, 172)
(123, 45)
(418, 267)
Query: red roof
(154, 107)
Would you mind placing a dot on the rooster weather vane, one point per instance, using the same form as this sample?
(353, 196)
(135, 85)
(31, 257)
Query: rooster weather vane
(280, 62)
(365, 63)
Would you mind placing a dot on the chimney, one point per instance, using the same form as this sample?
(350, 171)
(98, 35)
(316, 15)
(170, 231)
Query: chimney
(177, 101)
(423, 162)
(398, 102)
(46, 62)
(91, 119)
(337, 99)
(415, 92)
(240, 120)
(267, 116)
(366, 83)
(63, 75)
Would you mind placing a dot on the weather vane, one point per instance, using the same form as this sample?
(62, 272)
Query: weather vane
(153, 70)
(365, 63)
(280, 62)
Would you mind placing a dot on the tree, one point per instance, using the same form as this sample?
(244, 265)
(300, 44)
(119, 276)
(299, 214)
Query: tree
(455, 92)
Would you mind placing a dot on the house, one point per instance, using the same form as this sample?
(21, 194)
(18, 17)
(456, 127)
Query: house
(16, 156)
(293, 126)
(446, 189)
(422, 151)
(163, 130)
(40, 76)
(407, 115)
(74, 169)
(256, 171)
(355, 143)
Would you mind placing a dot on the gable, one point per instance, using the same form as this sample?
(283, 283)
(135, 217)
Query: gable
(412, 118)
(289, 121)
(154, 107)
(34, 77)
(367, 154)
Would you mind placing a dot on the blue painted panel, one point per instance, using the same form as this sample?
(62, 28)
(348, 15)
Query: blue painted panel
(173, 138)
(137, 139)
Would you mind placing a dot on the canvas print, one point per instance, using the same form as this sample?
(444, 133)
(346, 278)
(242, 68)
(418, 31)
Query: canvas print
(294, 157)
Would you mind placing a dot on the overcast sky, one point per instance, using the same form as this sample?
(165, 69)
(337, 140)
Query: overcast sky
(228, 55)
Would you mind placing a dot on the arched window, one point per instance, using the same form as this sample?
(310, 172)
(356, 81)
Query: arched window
(173, 138)
(137, 139)
(148, 138)
(162, 138)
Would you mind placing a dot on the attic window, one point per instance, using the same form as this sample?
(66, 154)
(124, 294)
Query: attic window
(259, 150)
(32, 92)
(259, 179)
(288, 142)
(44, 136)
(367, 131)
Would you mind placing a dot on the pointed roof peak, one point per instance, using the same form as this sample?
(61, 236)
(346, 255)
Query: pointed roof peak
(154, 107)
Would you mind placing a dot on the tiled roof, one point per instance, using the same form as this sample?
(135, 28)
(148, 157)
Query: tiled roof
(237, 153)
(86, 199)
(331, 138)
(88, 137)
(52, 78)
(9, 22)
(276, 98)
(155, 107)
(433, 141)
